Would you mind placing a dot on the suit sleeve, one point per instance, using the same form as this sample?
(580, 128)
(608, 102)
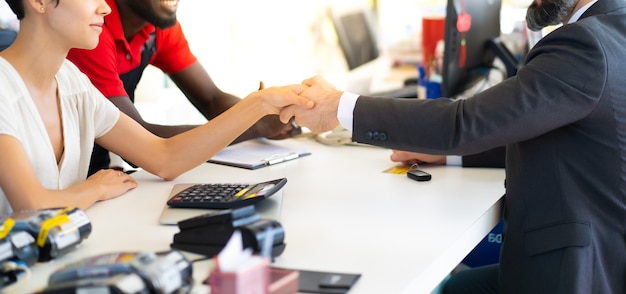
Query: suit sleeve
(549, 92)
(490, 158)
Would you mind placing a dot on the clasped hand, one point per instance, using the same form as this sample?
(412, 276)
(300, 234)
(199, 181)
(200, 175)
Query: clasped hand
(323, 116)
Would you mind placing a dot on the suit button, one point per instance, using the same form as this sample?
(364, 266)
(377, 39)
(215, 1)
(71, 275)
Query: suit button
(383, 136)
(369, 135)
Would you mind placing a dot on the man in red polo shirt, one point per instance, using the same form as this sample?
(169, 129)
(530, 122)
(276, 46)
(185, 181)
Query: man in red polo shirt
(142, 32)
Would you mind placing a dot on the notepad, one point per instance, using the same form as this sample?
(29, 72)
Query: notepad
(253, 154)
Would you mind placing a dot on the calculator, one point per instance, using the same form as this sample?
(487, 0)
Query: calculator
(225, 195)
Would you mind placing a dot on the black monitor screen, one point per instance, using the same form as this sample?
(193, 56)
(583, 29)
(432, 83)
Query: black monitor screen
(462, 66)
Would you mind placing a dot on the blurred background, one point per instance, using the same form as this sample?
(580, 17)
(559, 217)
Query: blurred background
(241, 42)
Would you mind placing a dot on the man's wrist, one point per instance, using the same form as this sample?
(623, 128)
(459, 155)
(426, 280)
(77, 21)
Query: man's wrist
(345, 109)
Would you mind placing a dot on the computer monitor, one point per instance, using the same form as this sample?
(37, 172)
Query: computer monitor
(467, 56)
(356, 34)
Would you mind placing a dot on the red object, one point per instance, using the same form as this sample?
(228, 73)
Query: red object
(463, 25)
(432, 32)
(462, 54)
(464, 22)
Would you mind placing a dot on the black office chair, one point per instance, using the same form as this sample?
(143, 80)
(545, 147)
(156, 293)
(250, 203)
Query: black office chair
(6, 38)
(356, 34)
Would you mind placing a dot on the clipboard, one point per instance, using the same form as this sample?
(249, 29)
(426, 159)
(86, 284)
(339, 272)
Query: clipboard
(254, 154)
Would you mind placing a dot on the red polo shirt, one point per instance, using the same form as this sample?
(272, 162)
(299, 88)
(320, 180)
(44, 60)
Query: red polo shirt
(114, 55)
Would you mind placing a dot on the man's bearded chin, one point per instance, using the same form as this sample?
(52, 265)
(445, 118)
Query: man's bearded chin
(550, 12)
(162, 22)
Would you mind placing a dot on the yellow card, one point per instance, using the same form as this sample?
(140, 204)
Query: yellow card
(398, 169)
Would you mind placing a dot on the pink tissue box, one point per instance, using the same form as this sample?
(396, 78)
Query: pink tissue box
(283, 281)
(257, 279)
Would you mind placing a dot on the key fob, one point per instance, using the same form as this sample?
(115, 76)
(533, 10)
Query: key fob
(418, 175)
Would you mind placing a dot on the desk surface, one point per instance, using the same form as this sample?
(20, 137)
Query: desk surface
(340, 213)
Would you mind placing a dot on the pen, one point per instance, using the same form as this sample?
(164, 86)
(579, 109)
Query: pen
(293, 123)
(278, 158)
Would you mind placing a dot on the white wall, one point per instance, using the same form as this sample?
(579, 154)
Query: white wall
(241, 42)
(8, 20)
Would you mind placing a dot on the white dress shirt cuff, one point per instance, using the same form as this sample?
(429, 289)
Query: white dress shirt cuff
(345, 109)
(454, 160)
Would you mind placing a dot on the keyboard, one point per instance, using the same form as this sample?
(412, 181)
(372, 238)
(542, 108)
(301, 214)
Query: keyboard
(225, 195)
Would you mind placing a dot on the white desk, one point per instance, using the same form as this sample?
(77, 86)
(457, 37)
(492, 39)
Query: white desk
(340, 213)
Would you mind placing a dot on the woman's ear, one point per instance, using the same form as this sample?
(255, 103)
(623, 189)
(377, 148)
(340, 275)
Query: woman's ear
(38, 6)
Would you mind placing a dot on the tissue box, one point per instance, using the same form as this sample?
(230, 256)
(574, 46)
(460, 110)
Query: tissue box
(251, 279)
(256, 279)
(283, 281)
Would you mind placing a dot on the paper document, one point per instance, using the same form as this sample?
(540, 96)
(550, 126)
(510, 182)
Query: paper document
(253, 154)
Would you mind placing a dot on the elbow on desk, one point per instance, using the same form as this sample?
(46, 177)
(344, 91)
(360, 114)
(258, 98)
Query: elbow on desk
(167, 175)
(168, 178)
(166, 167)
(165, 172)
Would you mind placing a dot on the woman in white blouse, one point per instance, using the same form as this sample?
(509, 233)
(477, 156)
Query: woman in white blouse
(50, 115)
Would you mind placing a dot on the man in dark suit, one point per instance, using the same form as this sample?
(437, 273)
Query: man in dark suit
(563, 120)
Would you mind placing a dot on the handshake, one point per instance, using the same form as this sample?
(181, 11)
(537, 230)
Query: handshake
(312, 104)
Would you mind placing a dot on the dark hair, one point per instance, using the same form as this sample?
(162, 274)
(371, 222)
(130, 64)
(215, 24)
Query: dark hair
(18, 7)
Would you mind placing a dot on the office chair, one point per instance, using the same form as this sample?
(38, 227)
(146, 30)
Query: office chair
(6, 38)
(357, 37)
(356, 34)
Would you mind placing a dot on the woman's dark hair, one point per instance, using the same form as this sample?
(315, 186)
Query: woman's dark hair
(18, 7)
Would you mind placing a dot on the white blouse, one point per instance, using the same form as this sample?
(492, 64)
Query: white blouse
(86, 115)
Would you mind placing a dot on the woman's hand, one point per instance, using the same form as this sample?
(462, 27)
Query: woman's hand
(113, 183)
(274, 99)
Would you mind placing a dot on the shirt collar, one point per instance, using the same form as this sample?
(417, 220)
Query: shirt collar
(580, 12)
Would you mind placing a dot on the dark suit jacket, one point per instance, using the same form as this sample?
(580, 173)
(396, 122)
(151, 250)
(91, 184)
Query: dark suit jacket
(563, 119)
(491, 158)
